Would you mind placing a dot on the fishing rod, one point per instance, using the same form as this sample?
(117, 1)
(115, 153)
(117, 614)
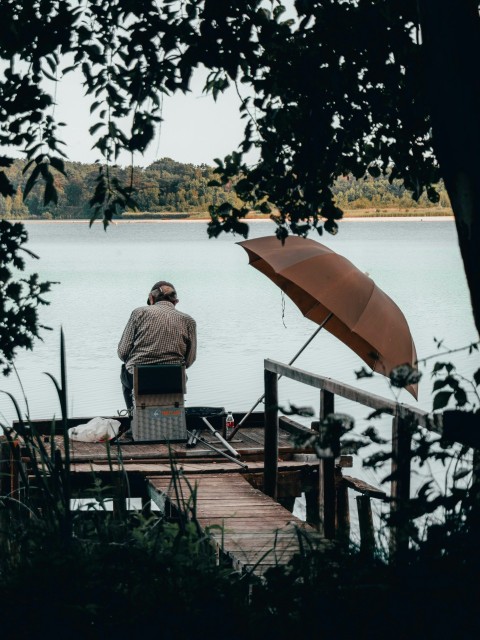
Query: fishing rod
(237, 427)
(223, 453)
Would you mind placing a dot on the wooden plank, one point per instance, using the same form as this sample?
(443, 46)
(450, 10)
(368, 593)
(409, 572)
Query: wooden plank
(244, 437)
(292, 427)
(363, 487)
(352, 393)
(138, 452)
(249, 543)
(256, 531)
(344, 461)
(159, 468)
(246, 513)
(289, 482)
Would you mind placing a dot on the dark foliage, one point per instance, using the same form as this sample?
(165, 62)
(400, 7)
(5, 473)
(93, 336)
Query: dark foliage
(334, 592)
(324, 99)
(19, 298)
(320, 96)
(153, 579)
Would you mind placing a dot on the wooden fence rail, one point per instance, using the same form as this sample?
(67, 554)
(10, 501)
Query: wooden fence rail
(403, 419)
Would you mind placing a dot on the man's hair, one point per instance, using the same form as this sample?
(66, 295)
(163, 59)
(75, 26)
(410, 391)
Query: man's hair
(163, 290)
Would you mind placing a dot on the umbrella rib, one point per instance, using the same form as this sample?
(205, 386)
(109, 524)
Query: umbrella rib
(365, 306)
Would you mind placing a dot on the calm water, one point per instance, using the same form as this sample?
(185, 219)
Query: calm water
(103, 276)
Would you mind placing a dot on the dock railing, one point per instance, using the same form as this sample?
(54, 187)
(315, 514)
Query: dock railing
(404, 419)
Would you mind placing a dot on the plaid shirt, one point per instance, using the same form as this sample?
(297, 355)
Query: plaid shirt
(158, 333)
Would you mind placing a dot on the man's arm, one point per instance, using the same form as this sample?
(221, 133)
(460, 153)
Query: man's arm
(126, 341)
(191, 354)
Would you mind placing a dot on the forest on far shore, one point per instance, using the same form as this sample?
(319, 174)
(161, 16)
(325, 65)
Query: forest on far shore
(167, 186)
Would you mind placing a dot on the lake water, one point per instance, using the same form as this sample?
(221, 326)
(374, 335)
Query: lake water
(103, 275)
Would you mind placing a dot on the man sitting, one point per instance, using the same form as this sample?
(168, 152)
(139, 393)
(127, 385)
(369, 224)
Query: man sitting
(156, 334)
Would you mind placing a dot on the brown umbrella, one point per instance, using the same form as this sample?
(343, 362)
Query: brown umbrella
(321, 282)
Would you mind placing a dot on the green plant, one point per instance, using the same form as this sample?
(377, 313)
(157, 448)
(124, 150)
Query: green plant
(19, 298)
(443, 516)
(98, 571)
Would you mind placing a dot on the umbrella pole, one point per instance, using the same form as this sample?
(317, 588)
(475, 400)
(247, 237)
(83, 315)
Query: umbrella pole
(237, 427)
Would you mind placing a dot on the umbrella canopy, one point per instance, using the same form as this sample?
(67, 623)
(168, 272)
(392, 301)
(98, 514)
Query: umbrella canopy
(320, 281)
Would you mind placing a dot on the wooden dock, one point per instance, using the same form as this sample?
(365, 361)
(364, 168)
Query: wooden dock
(250, 529)
(246, 509)
(246, 506)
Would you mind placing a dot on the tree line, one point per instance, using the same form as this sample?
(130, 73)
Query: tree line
(170, 186)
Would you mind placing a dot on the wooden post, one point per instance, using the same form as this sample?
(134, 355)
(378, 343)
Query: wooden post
(400, 487)
(270, 472)
(288, 502)
(312, 495)
(365, 521)
(327, 497)
(146, 500)
(326, 471)
(475, 489)
(119, 500)
(9, 485)
(327, 403)
(4, 491)
(342, 524)
(4, 468)
(15, 462)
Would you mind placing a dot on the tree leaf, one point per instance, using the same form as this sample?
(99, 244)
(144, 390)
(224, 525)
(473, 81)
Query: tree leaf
(461, 397)
(58, 164)
(93, 129)
(5, 161)
(476, 377)
(31, 180)
(6, 187)
(441, 399)
(439, 384)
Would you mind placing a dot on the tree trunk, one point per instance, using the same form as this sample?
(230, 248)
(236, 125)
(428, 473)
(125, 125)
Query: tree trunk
(451, 45)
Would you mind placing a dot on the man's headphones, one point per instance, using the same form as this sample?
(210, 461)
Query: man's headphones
(158, 289)
(162, 293)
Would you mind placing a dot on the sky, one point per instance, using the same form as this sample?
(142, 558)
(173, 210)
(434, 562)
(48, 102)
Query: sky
(196, 129)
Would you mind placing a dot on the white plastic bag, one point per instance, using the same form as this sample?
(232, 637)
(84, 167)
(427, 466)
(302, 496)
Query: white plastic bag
(96, 430)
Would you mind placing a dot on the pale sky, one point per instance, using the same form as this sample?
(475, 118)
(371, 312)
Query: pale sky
(196, 129)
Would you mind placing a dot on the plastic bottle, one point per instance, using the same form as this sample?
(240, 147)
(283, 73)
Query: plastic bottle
(229, 422)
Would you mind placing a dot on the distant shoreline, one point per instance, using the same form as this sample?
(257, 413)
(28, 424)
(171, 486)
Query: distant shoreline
(419, 218)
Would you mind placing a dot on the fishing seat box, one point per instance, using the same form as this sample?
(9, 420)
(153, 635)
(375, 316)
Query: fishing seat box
(159, 411)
